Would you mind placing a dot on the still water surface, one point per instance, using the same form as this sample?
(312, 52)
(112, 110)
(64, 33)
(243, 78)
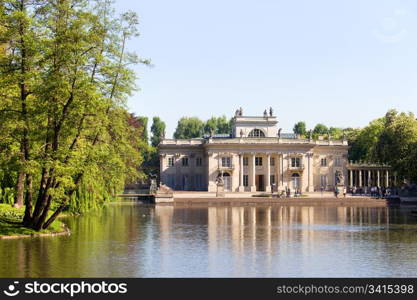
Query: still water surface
(133, 240)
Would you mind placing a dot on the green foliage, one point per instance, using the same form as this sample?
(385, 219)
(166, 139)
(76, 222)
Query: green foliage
(64, 81)
(10, 223)
(391, 140)
(7, 196)
(218, 125)
(320, 129)
(189, 128)
(157, 130)
(143, 123)
(300, 128)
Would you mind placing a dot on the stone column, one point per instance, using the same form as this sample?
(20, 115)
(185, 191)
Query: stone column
(369, 178)
(351, 178)
(386, 178)
(360, 178)
(378, 178)
(268, 173)
(282, 170)
(277, 173)
(253, 174)
(310, 186)
(241, 186)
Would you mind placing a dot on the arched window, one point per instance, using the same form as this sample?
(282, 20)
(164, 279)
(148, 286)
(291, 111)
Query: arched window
(256, 133)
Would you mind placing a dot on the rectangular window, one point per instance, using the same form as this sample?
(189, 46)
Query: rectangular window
(258, 161)
(246, 161)
(323, 181)
(272, 162)
(323, 162)
(185, 161)
(272, 180)
(295, 162)
(245, 180)
(337, 162)
(199, 161)
(170, 161)
(226, 162)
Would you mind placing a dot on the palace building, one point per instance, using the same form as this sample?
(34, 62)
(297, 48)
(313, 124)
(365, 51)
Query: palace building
(256, 157)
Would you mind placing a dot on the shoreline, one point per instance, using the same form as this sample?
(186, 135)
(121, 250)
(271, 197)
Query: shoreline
(283, 201)
(66, 231)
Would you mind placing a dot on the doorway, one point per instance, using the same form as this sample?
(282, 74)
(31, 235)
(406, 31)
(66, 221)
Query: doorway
(227, 179)
(296, 181)
(260, 183)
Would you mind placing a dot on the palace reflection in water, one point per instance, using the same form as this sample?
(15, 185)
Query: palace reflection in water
(223, 241)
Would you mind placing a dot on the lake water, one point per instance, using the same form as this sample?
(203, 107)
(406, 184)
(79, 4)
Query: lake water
(133, 240)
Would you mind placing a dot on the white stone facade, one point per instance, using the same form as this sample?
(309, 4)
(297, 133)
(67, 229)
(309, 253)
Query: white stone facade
(256, 158)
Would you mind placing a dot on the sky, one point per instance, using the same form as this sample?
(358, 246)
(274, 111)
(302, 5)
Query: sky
(342, 63)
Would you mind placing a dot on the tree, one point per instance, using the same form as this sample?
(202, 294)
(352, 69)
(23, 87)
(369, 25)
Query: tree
(320, 129)
(396, 142)
(143, 123)
(219, 125)
(362, 141)
(67, 76)
(157, 130)
(189, 128)
(300, 128)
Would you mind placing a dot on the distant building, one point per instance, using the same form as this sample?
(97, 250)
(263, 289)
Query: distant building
(256, 157)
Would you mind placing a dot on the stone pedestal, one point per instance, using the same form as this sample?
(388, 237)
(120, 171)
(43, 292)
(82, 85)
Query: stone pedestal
(241, 189)
(220, 190)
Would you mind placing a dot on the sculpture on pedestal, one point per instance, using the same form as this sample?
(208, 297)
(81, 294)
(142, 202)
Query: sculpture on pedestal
(340, 179)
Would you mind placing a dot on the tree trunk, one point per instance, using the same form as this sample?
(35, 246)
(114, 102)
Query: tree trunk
(20, 189)
(28, 200)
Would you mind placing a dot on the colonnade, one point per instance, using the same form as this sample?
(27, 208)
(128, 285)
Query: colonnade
(371, 177)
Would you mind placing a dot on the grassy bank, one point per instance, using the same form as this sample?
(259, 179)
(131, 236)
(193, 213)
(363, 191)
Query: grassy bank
(11, 223)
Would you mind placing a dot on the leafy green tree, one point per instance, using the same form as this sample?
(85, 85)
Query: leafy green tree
(189, 128)
(300, 128)
(362, 141)
(396, 142)
(320, 129)
(219, 125)
(157, 130)
(143, 123)
(64, 81)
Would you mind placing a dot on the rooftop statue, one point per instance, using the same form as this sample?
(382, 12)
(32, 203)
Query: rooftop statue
(279, 133)
(271, 111)
(241, 112)
(265, 113)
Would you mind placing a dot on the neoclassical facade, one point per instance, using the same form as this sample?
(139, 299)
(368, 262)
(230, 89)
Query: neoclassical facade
(256, 157)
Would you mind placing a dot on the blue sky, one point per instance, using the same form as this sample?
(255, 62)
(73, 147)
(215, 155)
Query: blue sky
(342, 63)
